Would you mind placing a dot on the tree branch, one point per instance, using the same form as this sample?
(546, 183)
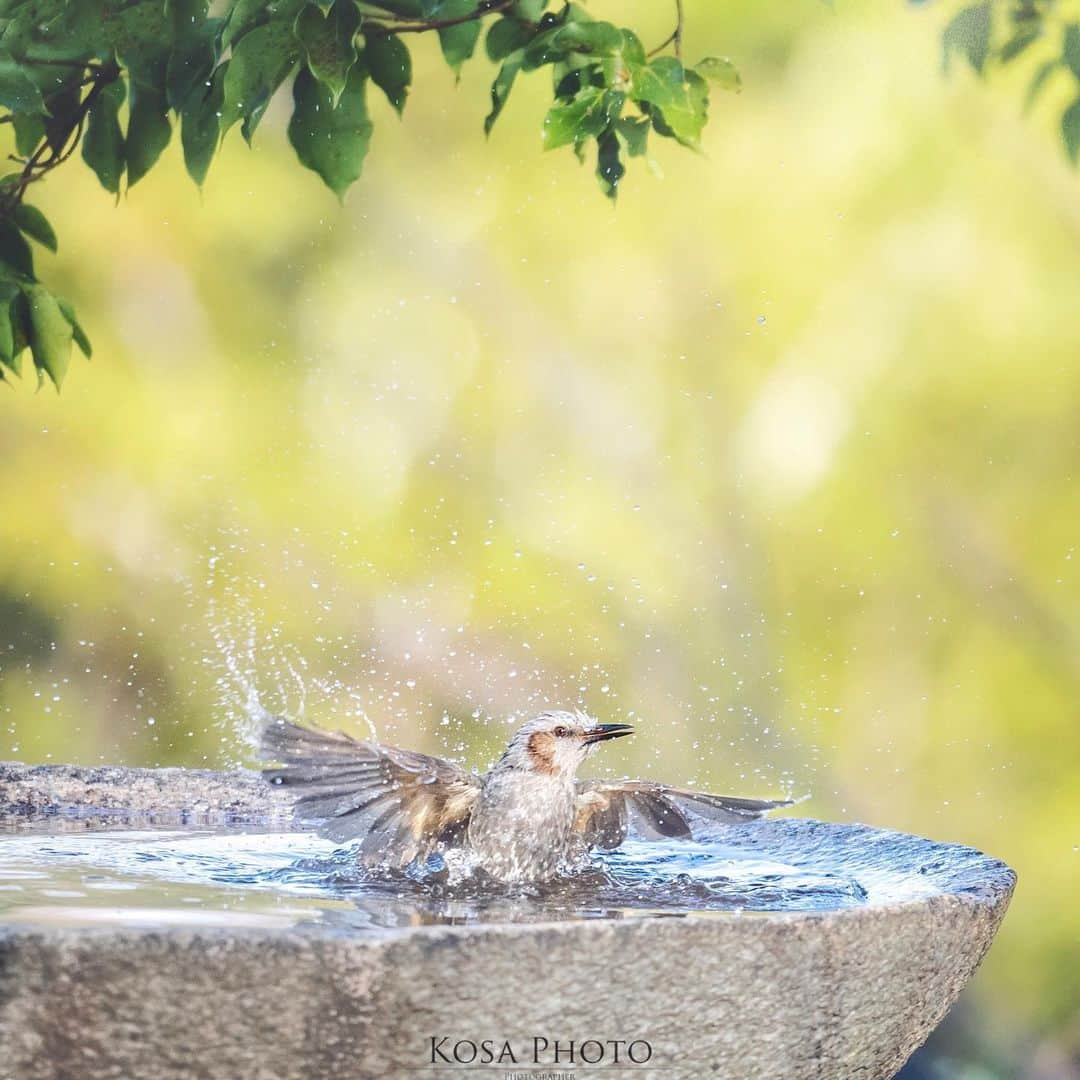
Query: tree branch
(487, 7)
(42, 61)
(56, 150)
(676, 35)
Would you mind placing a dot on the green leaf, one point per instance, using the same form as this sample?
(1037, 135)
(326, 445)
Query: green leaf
(632, 49)
(599, 38)
(186, 14)
(13, 318)
(15, 252)
(51, 333)
(500, 88)
(528, 10)
(587, 115)
(328, 41)
(634, 135)
(408, 9)
(19, 313)
(390, 67)
(34, 224)
(7, 331)
(458, 43)
(1039, 81)
(1018, 43)
(688, 118)
(191, 63)
(148, 131)
(64, 102)
(261, 61)
(504, 36)
(331, 139)
(1070, 50)
(103, 143)
(77, 332)
(563, 120)
(609, 168)
(243, 15)
(29, 131)
(1070, 130)
(659, 82)
(543, 49)
(201, 126)
(720, 71)
(570, 80)
(56, 30)
(680, 96)
(969, 35)
(142, 35)
(18, 92)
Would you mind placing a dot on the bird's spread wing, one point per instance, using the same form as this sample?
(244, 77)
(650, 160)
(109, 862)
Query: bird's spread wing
(400, 804)
(607, 810)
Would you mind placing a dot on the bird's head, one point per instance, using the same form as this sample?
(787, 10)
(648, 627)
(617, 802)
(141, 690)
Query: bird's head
(556, 743)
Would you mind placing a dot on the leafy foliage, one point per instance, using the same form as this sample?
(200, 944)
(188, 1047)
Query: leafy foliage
(1035, 33)
(118, 77)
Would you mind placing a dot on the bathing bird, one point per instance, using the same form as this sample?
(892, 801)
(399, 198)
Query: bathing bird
(524, 820)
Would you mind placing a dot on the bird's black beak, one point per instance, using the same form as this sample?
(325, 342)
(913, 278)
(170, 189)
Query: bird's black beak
(603, 732)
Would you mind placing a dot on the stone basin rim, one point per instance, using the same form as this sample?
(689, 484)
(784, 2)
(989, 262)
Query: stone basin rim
(750, 922)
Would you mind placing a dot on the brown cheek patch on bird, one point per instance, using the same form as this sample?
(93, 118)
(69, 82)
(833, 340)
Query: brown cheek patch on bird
(541, 748)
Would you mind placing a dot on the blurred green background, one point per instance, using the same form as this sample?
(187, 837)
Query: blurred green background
(778, 458)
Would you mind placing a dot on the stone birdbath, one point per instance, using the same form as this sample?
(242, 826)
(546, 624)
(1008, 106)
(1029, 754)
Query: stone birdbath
(126, 951)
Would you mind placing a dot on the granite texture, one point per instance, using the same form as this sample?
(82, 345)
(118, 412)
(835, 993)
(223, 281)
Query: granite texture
(833, 995)
(157, 796)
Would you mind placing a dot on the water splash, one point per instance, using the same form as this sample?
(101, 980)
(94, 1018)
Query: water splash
(75, 877)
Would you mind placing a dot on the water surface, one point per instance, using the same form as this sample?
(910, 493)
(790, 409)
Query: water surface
(221, 876)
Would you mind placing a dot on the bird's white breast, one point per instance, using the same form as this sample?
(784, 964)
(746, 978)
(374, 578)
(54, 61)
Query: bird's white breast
(520, 828)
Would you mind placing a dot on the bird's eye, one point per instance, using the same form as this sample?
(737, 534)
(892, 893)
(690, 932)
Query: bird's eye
(560, 732)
